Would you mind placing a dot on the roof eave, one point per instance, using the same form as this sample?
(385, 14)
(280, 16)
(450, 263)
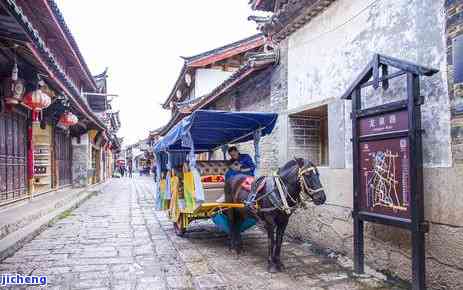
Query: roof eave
(230, 51)
(292, 16)
(211, 56)
(166, 104)
(58, 19)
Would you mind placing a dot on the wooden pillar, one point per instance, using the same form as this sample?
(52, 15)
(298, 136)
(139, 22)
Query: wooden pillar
(30, 152)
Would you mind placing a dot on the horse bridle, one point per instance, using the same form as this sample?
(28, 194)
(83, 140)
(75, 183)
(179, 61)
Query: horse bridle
(305, 188)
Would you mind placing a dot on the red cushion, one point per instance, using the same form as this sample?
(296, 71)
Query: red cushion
(213, 178)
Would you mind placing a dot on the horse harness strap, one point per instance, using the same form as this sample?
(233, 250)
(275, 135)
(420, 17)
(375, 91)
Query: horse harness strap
(279, 202)
(283, 194)
(278, 197)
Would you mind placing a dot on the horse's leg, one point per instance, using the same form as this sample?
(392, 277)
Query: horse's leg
(231, 214)
(282, 222)
(231, 222)
(237, 233)
(270, 227)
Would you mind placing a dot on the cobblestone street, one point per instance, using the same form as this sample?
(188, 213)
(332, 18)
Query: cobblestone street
(117, 241)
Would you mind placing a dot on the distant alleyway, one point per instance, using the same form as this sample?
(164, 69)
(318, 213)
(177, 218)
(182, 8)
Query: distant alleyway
(117, 241)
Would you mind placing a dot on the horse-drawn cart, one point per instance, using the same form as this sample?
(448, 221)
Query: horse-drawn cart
(192, 189)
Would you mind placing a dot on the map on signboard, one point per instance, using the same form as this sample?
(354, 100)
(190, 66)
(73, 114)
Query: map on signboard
(385, 177)
(384, 168)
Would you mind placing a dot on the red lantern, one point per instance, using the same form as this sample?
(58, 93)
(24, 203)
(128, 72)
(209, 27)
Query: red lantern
(36, 100)
(68, 119)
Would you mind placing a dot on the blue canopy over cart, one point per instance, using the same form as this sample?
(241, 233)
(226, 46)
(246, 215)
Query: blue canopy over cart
(187, 193)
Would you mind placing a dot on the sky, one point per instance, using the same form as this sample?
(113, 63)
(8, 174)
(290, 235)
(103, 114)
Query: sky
(141, 42)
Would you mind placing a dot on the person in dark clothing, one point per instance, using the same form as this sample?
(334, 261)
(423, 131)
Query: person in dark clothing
(130, 171)
(247, 164)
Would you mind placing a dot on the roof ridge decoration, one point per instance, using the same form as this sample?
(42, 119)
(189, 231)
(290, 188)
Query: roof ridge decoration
(264, 5)
(104, 74)
(50, 60)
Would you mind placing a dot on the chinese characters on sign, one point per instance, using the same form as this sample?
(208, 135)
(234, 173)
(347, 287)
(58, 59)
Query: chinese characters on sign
(385, 123)
(384, 166)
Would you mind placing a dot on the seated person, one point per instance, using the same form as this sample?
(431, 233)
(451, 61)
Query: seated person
(234, 168)
(247, 164)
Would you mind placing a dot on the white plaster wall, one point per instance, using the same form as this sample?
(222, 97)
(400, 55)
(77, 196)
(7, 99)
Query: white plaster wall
(326, 55)
(208, 79)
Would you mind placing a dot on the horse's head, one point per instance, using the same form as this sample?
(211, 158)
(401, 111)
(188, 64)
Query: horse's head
(304, 174)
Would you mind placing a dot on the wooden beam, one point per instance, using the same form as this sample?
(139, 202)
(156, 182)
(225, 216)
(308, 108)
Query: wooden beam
(6, 34)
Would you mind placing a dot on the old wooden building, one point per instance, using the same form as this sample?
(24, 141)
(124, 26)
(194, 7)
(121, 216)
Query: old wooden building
(53, 112)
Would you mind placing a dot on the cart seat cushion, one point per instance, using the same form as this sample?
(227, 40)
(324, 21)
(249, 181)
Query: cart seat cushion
(208, 185)
(212, 178)
(212, 167)
(213, 194)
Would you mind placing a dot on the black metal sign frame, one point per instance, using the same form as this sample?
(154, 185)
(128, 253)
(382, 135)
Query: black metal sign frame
(409, 135)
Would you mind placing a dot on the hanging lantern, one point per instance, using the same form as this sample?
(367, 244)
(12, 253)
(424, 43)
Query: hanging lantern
(14, 91)
(36, 101)
(68, 119)
(13, 88)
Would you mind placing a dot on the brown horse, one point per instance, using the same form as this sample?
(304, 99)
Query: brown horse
(272, 201)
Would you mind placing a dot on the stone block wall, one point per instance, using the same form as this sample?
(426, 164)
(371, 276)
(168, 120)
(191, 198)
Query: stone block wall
(454, 29)
(387, 248)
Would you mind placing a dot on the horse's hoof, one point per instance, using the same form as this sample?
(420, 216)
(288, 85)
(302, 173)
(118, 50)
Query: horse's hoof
(272, 268)
(239, 250)
(280, 266)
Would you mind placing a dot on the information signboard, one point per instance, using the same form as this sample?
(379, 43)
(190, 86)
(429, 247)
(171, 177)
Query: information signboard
(387, 159)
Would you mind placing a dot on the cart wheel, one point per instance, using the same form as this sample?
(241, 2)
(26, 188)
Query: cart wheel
(179, 228)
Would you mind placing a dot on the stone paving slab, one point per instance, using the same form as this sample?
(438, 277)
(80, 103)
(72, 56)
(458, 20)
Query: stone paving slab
(116, 240)
(21, 223)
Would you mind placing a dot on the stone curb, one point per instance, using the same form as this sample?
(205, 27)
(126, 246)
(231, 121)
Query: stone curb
(17, 239)
(9, 229)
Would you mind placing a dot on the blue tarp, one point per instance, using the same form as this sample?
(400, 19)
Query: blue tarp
(211, 129)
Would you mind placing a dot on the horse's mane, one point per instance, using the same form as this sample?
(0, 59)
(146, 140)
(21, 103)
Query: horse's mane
(290, 164)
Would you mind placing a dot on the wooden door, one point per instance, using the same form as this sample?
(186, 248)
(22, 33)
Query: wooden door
(63, 157)
(13, 156)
